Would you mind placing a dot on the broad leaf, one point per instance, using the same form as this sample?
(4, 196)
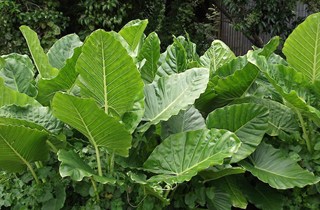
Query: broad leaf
(186, 120)
(222, 90)
(62, 82)
(41, 116)
(248, 121)
(18, 73)
(282, 120)
(289, 84)
(62, 50)
(181, 156)
(85, 116)
(72, 165)
(302, 48)
(108, 74)
(150, 51)
(19, 146)
(9, 96)
(40, 59)
(262, 196)
(230, 185)
(271, 166)
(218, 199)
(216, 56)
(173, 60)
(168, 95)
(133, 31)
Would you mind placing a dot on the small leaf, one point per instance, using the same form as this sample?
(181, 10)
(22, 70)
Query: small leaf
(72, 165)
(85, 116)
(181, 156)
(270, 47)
(40, 59)
(272, 167)
(168, 95)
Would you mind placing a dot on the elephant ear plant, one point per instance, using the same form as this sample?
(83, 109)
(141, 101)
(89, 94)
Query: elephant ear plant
(113, 123)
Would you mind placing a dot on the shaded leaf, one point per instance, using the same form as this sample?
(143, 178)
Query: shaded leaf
(62, 50)
(248, 121)
(85, 116)
(9, 96)
(40, 59)
(271, 166)
(19, 146)
(168, 95)
(218, 172)
(62, 82)
(185, 120)
(41, 116)
(18, 73)
(72, 165)
(181, 156)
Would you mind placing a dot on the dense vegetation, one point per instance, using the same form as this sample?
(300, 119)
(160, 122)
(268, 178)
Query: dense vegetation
(113, 123)
(200, 19)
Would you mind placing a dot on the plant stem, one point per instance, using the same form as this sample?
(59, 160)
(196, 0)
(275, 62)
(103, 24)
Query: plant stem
(111, 163)
(40, 165)
(95, 189)
(98, 160)
(304, 130)
(33, 173)
(52, 146)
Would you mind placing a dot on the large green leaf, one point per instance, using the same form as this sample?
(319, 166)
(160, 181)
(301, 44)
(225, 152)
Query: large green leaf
(271, 166)
(9, 96)
(150, 51)
(40, 59)
(216, 56)
(230, 185)
(133, 31)
(85, 116)
(270, 47)
(19, 146)
(168, 95)
(224, 89)
(302, 48)
(218, 199)
(108, 74)
(186, 120)
(72, 165)
(62, 50)
(41, 116)
(282, 120)
(181, 156)
(63, 81)
(289, 84)
(248, 121)
(18, 73)
(173, 60)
